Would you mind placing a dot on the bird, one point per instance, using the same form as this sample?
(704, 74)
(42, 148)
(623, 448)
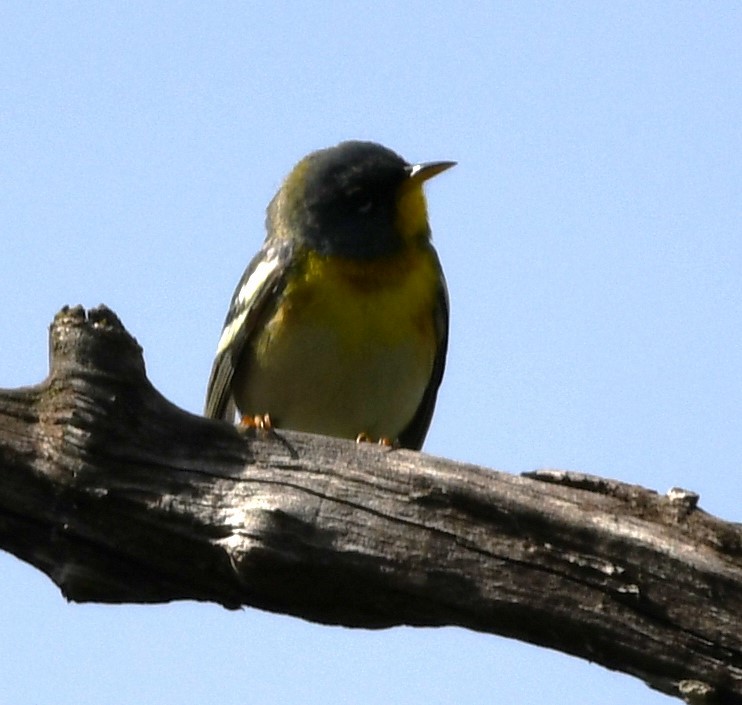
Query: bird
(339, 324)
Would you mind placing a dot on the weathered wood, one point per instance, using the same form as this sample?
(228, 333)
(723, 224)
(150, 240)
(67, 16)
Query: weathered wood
(119, 496)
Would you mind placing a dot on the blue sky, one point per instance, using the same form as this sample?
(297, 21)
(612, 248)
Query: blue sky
(590, 237)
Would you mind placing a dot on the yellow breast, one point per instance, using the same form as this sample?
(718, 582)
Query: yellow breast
(349, 350)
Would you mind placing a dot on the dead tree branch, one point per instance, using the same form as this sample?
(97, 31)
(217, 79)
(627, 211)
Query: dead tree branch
(119, 496)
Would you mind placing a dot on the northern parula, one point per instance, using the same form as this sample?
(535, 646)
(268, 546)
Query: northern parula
(339, 325)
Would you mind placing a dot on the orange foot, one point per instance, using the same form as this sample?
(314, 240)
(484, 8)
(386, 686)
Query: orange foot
(363, 437)
(259, 422)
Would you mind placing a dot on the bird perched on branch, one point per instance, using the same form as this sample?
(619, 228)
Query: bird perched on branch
(339, 325)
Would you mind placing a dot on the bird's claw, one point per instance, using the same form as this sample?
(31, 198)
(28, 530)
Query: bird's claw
(364, 437)
(258, 422)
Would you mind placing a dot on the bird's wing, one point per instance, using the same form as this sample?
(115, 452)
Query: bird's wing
(258, 288)
(415, 432)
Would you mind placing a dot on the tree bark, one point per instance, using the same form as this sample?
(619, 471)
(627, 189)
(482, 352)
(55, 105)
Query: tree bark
(119, 496)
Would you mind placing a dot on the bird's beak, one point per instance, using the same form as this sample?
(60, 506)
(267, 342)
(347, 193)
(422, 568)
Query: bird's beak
(422, 172)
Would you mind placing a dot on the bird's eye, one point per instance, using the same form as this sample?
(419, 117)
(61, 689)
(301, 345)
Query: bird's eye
(359, 200)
